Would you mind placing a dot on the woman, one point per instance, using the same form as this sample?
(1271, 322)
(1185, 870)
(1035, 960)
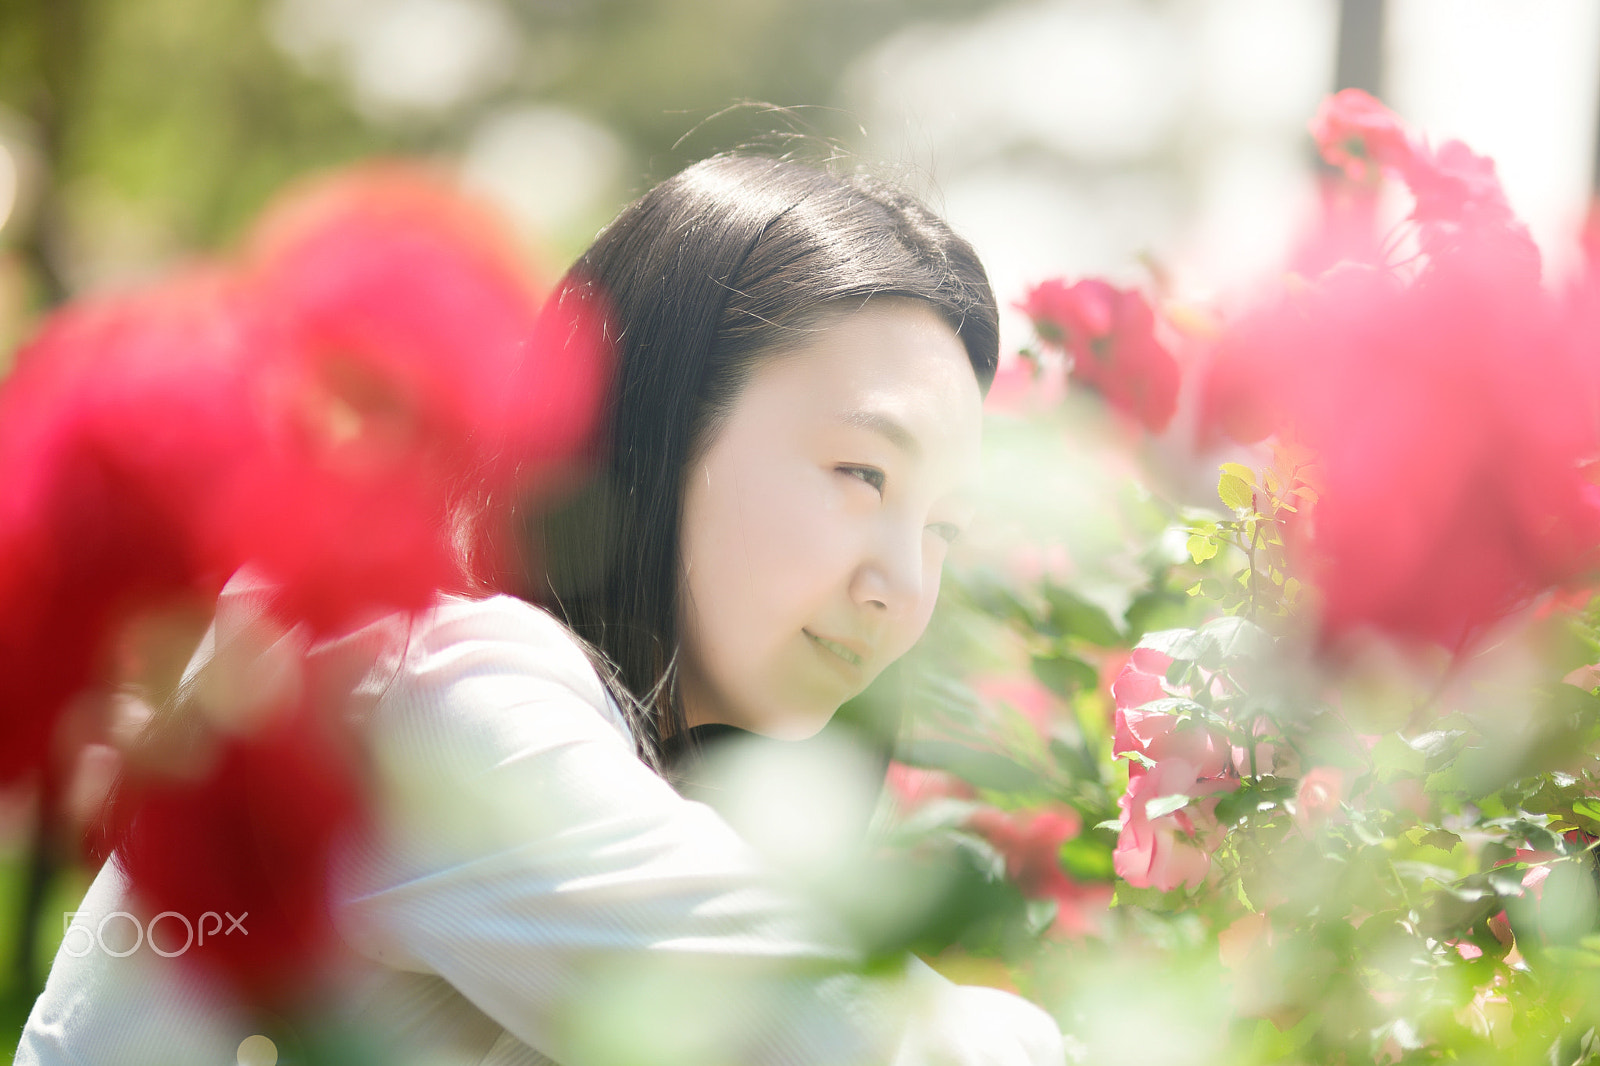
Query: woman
(793, 436)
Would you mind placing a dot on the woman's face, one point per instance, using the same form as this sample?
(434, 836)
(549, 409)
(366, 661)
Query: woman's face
(817, 521)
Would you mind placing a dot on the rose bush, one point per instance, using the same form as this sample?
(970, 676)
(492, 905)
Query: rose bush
(1335, 741)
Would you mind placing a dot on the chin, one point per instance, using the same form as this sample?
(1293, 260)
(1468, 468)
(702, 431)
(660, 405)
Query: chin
(797, 726)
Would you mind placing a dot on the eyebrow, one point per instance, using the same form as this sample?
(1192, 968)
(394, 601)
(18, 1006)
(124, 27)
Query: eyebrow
(880, 423)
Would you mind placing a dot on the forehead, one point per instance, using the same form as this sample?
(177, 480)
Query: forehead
(886, 364)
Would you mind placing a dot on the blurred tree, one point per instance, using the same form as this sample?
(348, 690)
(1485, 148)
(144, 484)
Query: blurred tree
(158, 126)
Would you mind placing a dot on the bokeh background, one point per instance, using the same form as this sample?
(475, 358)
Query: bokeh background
(1142, 140)
(1062, 136)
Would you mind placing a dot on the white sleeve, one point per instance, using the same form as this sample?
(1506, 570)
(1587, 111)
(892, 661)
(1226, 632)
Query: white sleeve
(531, 860)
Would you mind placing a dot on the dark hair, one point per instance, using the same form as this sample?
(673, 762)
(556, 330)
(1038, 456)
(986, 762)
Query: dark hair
(733, 259)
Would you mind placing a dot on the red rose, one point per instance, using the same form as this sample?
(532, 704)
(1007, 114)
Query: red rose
(1110, 335)
(1362, 137)
(1450, 418)
(250, 836)
(119, 427)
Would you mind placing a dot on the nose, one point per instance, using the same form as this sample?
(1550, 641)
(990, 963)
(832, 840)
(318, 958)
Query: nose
(891, 578)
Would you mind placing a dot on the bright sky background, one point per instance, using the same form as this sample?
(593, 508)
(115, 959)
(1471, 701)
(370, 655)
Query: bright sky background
(1074, 136)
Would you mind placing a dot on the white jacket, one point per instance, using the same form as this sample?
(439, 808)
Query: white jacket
(535, 894)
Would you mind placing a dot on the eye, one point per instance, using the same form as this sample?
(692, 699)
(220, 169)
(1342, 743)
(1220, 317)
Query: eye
(947, 531)
(870, 474)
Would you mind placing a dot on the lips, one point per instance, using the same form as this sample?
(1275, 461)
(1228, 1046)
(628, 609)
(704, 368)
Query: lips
(844, 652)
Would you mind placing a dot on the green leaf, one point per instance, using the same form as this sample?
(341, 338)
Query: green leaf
(1202, 548)
(1040, 914)
(1065, 675)
(1442, 839)
(1392, 755)
(1087, 859)
(1177, 706)
(1077, 617)
(942, 813)
(985, 769)
(1153, 899)
(1180, 644)
(1427, 871)
(1232, 806)
(1236, 492)
(1437, 746)
(1161, 805)
(1234, 636)
(1240, 471)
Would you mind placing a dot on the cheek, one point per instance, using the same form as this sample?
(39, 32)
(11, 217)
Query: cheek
(765, 548)
(916, 623)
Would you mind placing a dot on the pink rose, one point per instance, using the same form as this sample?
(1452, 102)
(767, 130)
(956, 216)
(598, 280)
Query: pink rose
(1141, 679)
(1321, 791)
(1175, 848)
(1158, 735)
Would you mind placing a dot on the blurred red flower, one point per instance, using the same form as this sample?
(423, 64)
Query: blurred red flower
(1451, 420)
(1031, 842)
(434, 390)
(1110, 335)
(119, 427)
(353, 415)
(249, 836)
(405, 300)
(1451, 414)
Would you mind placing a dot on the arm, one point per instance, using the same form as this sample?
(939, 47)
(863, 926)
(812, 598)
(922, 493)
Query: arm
(531, 860)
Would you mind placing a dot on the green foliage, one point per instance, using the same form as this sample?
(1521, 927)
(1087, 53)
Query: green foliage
(1439, 900)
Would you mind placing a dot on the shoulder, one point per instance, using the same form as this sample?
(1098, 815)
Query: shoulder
(500, 632)
(499, 669)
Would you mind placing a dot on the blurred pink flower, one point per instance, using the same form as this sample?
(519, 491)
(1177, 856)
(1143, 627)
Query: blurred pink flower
(1270, 758)
(1362, 137)
(1031, 843)
(913, 787)
(1029, 564)
(1027, 386)
(1023, 694)
(1318, 797)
